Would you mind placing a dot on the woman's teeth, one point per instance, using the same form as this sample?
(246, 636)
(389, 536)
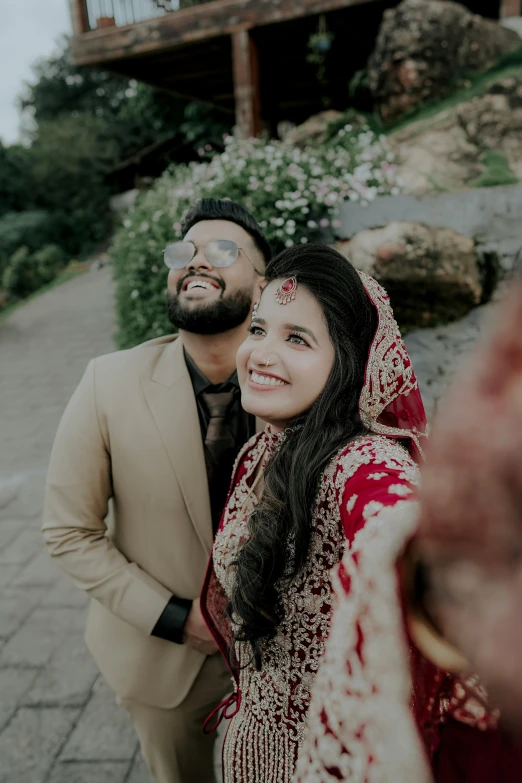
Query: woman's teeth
(267, 380)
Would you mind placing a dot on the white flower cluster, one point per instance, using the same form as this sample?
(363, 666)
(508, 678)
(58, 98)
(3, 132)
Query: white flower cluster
(288, 189)
(293, 193)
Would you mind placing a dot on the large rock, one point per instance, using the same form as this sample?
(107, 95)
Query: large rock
(493, 121)
(431, 274)
(423, 46)
(445, 151)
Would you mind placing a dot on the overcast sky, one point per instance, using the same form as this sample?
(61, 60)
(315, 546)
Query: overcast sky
(29, 30)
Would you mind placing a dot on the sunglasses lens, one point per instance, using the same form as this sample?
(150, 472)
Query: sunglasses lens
(221, 252)
(179, 254)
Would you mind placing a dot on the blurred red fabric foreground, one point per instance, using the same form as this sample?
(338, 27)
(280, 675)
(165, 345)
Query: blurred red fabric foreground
(470, 530)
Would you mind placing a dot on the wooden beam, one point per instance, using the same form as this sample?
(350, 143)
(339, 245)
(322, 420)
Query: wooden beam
(246, 84)
(191, 25)
(79, 16)
(510, 8)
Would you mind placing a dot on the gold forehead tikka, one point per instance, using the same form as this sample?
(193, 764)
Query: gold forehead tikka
(287, 291)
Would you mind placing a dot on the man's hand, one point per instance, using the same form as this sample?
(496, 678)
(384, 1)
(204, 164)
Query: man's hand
(196, 633)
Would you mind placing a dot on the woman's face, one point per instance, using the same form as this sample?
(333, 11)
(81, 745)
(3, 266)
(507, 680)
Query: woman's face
(294, 340)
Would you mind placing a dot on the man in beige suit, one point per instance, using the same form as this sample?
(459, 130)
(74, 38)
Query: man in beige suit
(157, 429)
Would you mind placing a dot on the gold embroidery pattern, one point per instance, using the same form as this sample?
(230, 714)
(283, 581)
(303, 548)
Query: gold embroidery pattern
(401, 490)
(264, 737)
(351, 503)
(360, 727)
(389, 372)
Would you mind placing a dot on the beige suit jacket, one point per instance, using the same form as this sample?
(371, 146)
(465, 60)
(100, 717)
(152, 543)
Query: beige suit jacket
(131, 433)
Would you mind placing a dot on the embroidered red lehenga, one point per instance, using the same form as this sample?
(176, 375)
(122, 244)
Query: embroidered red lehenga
(364, 513)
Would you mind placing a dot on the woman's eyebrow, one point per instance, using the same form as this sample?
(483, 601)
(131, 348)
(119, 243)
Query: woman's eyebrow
(257, 320)
(295, 328)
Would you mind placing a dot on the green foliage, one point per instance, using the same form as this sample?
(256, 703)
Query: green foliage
(49, 261)
(26, 272)
(71, 157)
(21, 277)
(293, 193)
(132, 115)
(59, 89)
(32, 229)
(16, 185)
(84, 123)
(496, 171)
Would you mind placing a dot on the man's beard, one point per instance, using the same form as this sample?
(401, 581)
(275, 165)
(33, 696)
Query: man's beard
(220, 316)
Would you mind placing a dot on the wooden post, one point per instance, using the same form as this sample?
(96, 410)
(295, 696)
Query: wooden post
(79, 16)
(510, 8)
(246, 83)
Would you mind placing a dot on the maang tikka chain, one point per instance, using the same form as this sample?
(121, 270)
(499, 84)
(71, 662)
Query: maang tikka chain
(287, 291)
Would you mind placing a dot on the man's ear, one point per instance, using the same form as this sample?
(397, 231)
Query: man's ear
(260, 284)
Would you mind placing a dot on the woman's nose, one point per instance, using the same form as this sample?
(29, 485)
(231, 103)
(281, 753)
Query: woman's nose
(264, 354)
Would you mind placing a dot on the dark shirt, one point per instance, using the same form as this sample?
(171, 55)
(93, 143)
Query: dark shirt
(242, 426)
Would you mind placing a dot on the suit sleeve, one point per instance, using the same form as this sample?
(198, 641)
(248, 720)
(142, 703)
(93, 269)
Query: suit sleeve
(76, 505)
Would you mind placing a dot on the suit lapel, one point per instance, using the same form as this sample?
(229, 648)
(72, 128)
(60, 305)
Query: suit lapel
(170, 397)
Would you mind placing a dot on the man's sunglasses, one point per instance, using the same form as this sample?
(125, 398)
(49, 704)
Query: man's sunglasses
(219, 253)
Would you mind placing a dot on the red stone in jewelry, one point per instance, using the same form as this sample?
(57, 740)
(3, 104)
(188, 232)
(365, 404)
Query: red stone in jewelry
(286, 291)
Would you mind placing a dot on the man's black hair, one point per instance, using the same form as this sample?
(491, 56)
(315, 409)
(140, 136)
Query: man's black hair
(223, 209)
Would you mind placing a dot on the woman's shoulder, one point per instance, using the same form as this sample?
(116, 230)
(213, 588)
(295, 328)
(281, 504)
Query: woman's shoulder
(387, 455)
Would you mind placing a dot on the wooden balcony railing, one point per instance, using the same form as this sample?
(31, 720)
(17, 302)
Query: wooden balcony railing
(94, 14)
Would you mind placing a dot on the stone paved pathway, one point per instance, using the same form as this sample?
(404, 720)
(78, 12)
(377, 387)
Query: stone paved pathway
(58, 721)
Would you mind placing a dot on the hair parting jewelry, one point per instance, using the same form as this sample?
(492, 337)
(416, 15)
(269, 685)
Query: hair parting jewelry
(287, 291)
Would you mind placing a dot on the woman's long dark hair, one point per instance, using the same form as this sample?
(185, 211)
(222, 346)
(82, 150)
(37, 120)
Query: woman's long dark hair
(280, 528)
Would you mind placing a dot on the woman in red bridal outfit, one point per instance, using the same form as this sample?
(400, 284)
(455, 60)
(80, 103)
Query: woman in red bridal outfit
(461, 569)
(319, 501)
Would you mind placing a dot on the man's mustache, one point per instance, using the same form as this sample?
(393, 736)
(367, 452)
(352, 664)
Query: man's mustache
(220, 283)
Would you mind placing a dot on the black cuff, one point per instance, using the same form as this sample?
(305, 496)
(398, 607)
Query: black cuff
(172, 620)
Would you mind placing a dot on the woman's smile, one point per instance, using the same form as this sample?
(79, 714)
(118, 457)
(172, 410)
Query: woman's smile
(264, 381)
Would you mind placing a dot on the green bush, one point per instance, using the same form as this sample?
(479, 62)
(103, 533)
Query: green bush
(49, 261)
(26, 273)
(292, 192)
(20, 277)
(31, 229)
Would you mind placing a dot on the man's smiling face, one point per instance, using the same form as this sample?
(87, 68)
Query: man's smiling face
(208, 300)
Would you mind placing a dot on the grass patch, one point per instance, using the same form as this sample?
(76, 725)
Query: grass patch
(496, 171)
(63, 277)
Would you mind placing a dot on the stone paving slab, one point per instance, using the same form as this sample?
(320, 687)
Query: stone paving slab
(14, 683)
(30, 742)
(15, 607)
(103, 733)
(68, 679)
(97, 772)
(38, 638)
(23, 548)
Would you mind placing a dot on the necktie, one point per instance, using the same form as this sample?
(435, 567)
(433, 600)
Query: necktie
(219, 439)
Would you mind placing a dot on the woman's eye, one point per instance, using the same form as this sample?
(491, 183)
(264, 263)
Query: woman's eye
(256, 330)
(297, 339)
